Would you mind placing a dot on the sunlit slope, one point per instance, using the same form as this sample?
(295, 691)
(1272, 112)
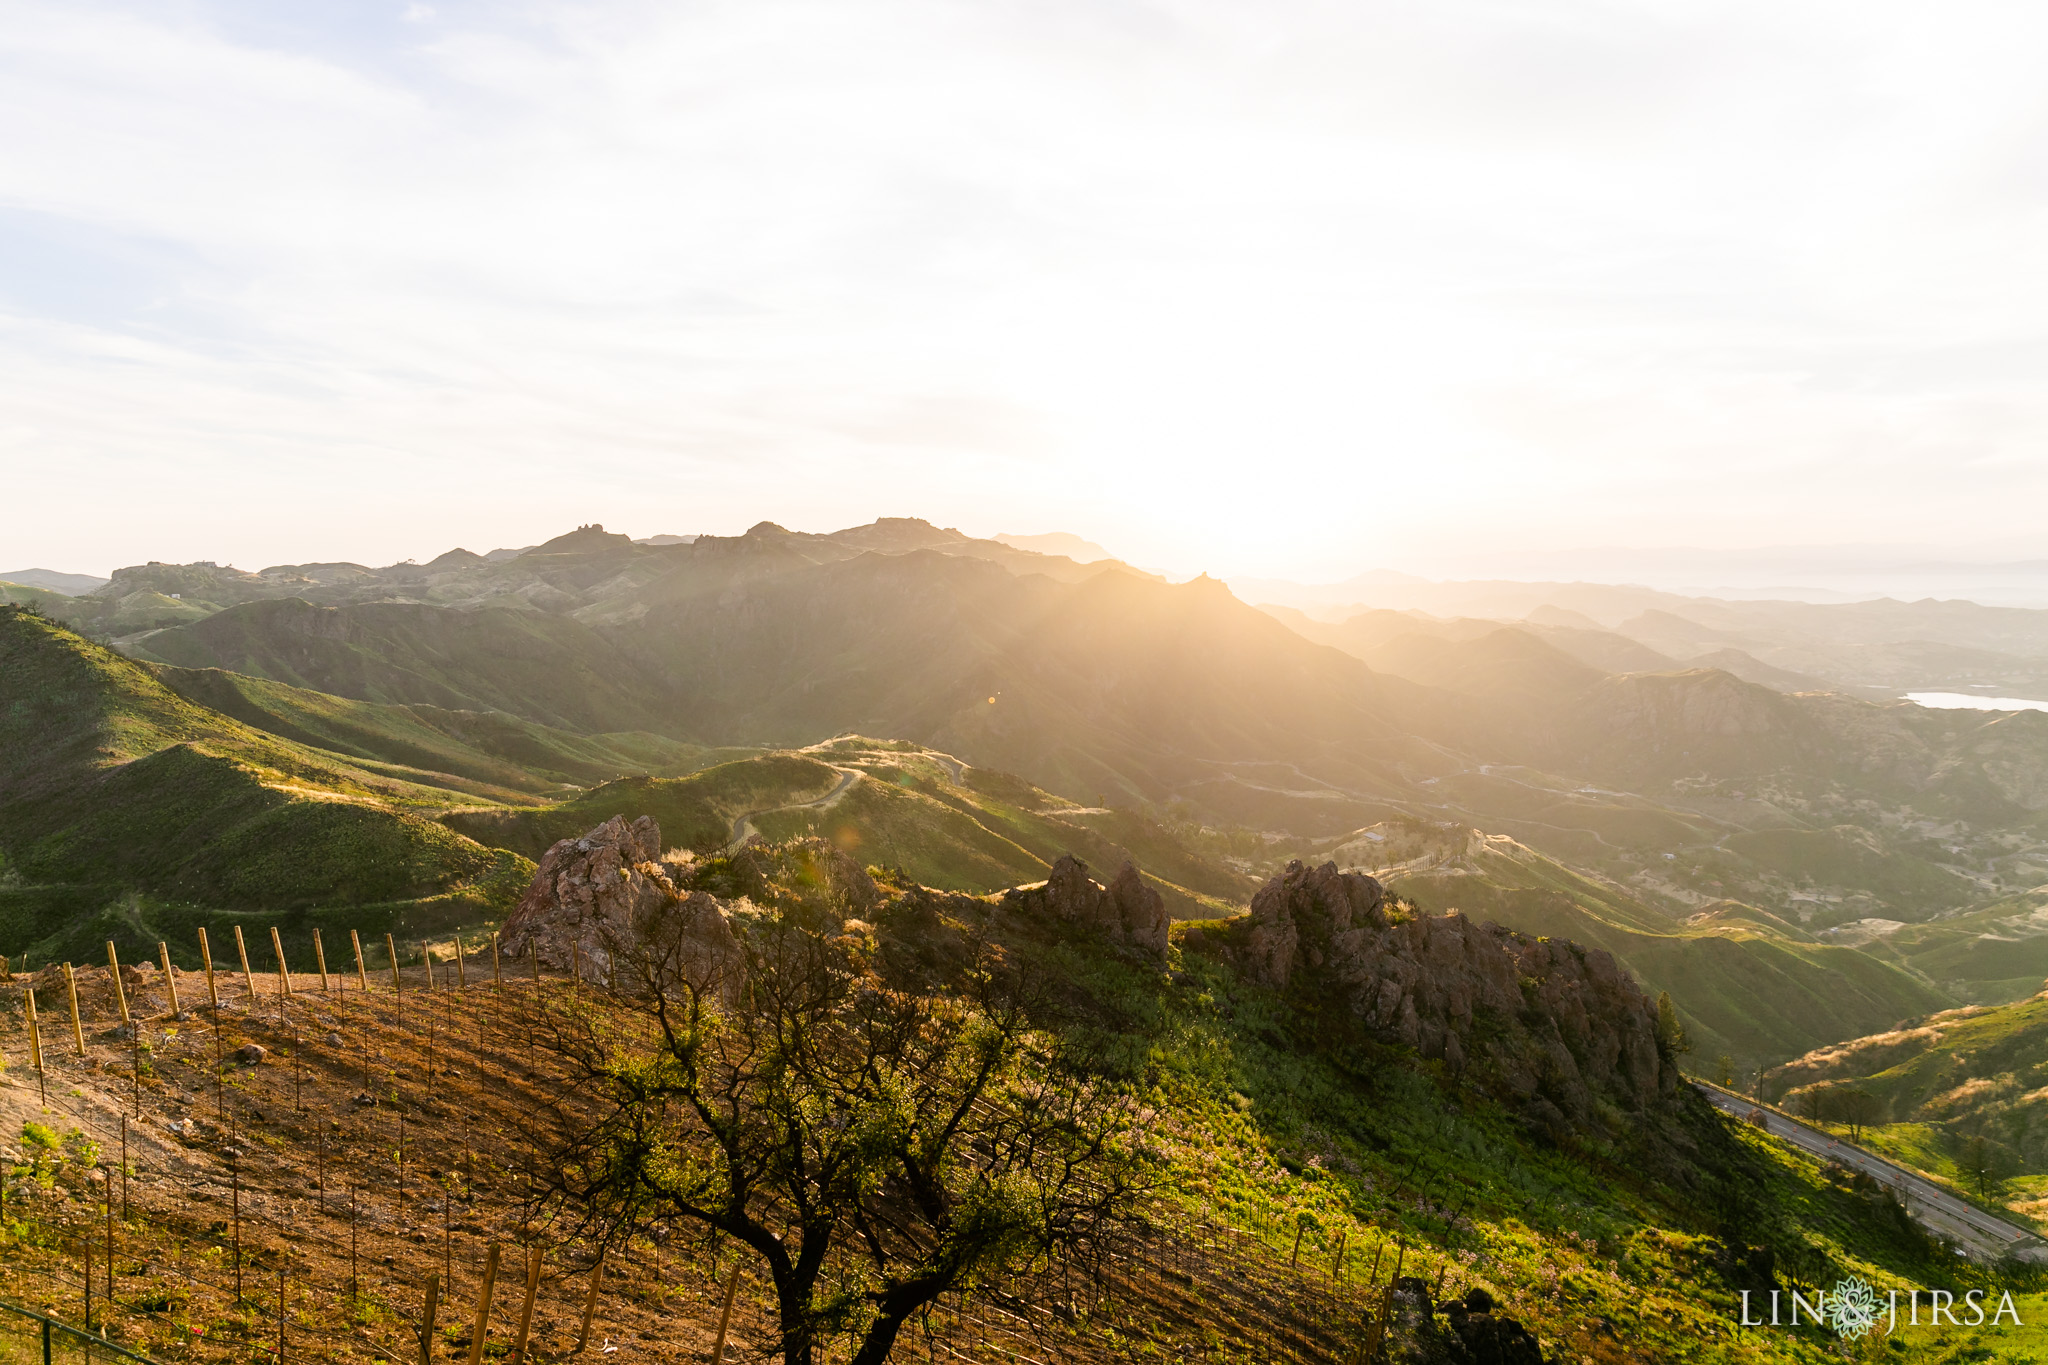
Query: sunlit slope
(1990, 956)
(1742, 986)
(493, 747)
(695, 812)
(117, 792)
(1108, 684)
(547, 668)
(1963, 1093)
(893, 804)
(1117, 685)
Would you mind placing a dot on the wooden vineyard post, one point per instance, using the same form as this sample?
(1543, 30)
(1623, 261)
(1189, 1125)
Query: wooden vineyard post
(284, 971)
(483, 1307)
(732, 1287)
(497, 977)
(1294, 1256)
(163, 953)
(206, 957)
(448, 1232)
(71, 990)
(518, 1356)
(320, 959)
(354, 1292)
(235, 1173)
(35, 1048)
(427, 1319)
(114, 971)
(248, 976)
(590, 1300)
(362, 977)
(391, 951)
(461, 975)
(1337, 1261)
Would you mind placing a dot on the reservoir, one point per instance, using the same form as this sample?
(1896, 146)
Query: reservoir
(1951, 700)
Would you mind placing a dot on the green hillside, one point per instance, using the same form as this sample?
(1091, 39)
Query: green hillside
(492, 747)
(1742, 985)
(1962, 1094)
(1990, 956)
(890, 803)
(694, 812)
(546, 668)
(127, 811)
(1980, 1068)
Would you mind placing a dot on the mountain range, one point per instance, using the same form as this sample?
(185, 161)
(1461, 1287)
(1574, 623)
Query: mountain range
(1739, 832)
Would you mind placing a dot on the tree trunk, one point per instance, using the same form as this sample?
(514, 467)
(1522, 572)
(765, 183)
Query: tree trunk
(880, 1341)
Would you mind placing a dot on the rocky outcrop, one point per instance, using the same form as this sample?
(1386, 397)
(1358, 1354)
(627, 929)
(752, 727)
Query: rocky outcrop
(1127, 910)
(605, 896)
(1559, 1028)
(635, 920)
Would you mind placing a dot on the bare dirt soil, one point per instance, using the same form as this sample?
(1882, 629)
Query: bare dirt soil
(380, 1138)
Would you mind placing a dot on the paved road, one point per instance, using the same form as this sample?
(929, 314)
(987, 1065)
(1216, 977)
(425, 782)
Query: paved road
(744, 825)
(1969, 1227)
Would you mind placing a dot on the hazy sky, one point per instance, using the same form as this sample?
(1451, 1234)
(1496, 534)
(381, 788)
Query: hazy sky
(1262, 287)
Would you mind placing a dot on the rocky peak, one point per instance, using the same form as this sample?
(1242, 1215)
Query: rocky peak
(1307, 916)
(1127, 910)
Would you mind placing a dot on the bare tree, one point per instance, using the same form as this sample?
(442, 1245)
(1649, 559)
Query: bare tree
(873, 1147)
(1813, 1103)
(1986, 1166)
(1850, 1105)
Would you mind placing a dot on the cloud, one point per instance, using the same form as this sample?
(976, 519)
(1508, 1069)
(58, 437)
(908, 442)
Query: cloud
(1292, 287)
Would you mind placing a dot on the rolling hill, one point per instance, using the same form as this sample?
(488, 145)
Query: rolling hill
(888, 803)
(1746, 983)
(591, 671)
(125, 809)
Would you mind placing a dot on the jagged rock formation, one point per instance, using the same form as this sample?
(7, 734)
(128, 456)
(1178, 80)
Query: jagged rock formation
(1127, 910)
(607, 896)
(1559, 1028)
(603, 893)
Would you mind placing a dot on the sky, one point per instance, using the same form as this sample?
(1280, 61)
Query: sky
(1278, 287)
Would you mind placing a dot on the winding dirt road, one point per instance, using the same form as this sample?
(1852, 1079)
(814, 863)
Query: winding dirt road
(743, 826)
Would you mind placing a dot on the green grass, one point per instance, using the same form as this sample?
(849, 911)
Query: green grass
(694, 812)
(1742, 986)
(127, 804)
(1607, 1250)
(495, 748)
(1977, 1072)
(548, 669)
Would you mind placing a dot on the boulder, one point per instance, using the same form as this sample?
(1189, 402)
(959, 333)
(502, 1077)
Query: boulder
(603, 896)
(1127, 910)
(587, 892)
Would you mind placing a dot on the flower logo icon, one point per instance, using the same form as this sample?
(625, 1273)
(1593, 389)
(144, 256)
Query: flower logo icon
(1852, 1308)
